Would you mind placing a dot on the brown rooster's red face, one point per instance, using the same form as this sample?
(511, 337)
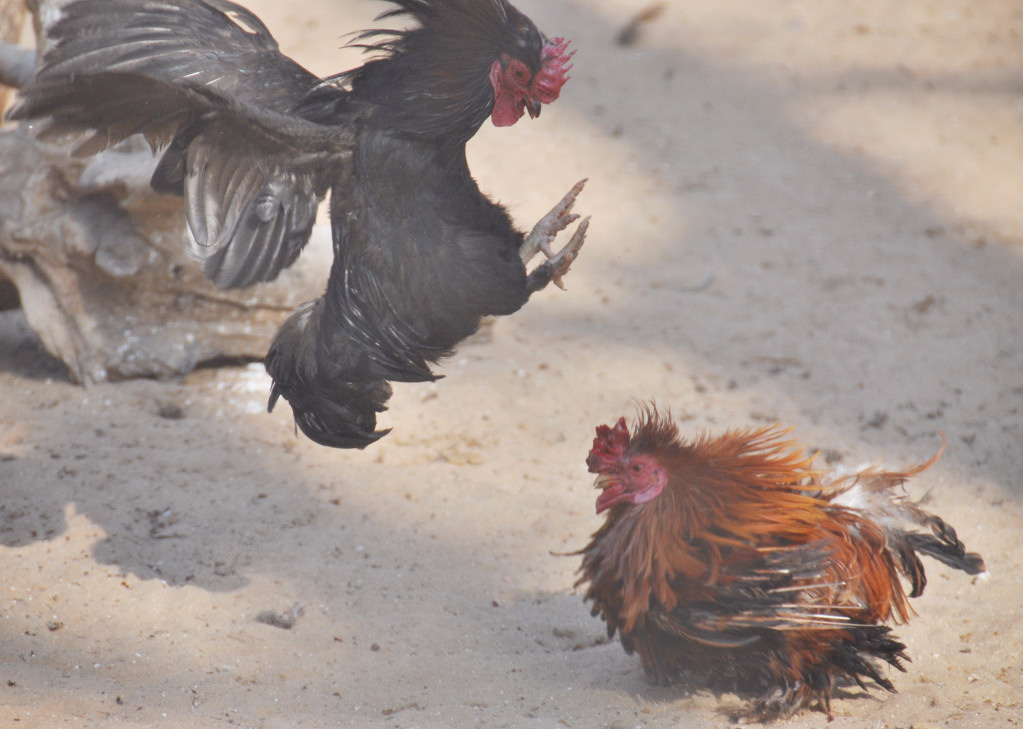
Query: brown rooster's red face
(623, 475)
(518, 90)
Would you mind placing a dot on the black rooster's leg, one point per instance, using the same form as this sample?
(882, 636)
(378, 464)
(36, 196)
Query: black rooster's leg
(558, 264)
(545, 231)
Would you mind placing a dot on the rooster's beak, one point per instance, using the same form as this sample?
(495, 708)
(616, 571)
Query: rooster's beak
(611, 492)
(533, 106)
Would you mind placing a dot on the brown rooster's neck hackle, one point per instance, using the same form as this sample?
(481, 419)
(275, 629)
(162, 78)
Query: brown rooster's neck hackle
(742, 490)
(730, 489)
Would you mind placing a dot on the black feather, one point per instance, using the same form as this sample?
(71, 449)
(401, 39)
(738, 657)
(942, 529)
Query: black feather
(431, 81)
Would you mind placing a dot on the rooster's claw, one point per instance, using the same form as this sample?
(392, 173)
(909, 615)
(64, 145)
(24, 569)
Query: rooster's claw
(547, 229)
(543, 234)
(557, 265)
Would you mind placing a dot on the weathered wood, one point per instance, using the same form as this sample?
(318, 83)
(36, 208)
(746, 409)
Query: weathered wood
(12, 18)
(16, 66)
(98, 262)
(12, 72)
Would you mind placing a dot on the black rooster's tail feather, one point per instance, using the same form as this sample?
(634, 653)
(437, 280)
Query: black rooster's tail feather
(333, 391)
(343, 418)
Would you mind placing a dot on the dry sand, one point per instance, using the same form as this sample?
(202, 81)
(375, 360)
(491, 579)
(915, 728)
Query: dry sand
(802, 211)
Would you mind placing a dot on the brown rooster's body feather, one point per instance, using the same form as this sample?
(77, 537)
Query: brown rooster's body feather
(734, 561)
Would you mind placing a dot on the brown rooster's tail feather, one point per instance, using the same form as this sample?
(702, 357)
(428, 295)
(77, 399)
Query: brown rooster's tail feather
(909, 529)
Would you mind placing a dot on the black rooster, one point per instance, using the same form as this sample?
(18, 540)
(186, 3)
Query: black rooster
(254, 142)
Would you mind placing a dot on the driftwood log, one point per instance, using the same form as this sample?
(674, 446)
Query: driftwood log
(97, 259)
(14, 65)
(12, 18)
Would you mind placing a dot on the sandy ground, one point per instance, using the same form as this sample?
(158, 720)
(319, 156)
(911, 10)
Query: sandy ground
(802, 211)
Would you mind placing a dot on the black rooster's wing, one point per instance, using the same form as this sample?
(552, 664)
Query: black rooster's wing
(205, 80)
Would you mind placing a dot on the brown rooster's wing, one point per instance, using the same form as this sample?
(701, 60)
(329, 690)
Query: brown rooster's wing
(207, 81)
(787, 588)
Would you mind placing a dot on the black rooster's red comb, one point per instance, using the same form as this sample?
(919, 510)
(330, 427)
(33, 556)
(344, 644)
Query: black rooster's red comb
(554, 67)
(609, 447)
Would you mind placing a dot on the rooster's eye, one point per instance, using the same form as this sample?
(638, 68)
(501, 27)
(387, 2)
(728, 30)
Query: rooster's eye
(521, 75)
(636, 468)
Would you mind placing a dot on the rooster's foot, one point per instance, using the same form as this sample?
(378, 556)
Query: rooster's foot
(545, 231)
(557, 264)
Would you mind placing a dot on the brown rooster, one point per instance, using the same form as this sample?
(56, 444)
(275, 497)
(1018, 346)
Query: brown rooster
(732, 562)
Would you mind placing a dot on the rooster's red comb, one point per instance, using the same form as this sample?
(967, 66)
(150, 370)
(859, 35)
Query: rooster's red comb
(554, 68)
(609, 447)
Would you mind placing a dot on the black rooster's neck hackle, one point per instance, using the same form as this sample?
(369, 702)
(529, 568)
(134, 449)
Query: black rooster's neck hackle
(431, 81)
